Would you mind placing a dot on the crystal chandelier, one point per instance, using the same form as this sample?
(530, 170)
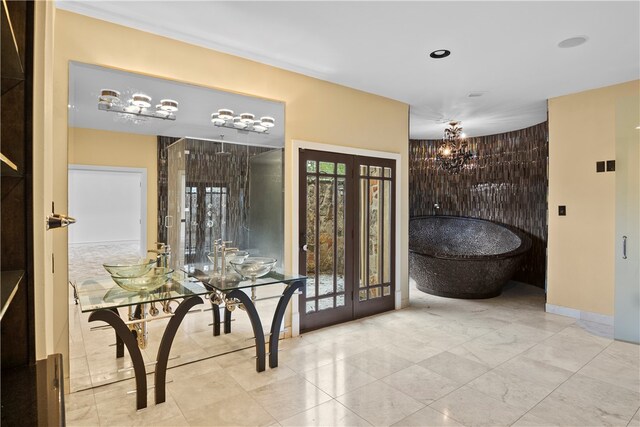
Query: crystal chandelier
(453, 153)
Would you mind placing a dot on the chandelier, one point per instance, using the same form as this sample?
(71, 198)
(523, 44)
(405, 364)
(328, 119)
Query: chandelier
(453, 154)
(246, 121)
(137, 107)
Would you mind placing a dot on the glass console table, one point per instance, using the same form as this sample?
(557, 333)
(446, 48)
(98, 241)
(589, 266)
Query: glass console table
(231, 293)
(102, 298)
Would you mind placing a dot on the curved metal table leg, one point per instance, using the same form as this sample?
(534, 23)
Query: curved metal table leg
(165, 345)
(215, 308)
(227, 321)
(277, 321)
(255, 324)
(119, 343)
(132, 345)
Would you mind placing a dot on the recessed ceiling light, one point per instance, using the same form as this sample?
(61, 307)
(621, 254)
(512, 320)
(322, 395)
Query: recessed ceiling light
(572, 42)
(440, 53)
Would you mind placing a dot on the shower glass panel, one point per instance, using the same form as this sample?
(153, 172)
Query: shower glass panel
(231, 192)
(175, 219)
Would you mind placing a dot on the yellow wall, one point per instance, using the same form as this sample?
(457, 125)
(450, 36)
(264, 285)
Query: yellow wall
(354, 114)
(104, 148)
(581, 245)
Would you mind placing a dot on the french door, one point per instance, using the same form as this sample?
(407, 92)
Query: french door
(347, 224)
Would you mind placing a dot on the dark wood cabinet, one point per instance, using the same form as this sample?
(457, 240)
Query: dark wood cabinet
(32, 391)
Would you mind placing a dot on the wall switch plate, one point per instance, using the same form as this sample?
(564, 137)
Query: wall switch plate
(611, 165)
(562, 210)
(600, 166)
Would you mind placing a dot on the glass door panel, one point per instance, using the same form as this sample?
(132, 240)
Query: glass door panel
(325, 221)
(347, 237)
(376, 249)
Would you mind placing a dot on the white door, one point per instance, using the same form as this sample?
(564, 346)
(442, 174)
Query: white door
(108, 204)
(627, 292)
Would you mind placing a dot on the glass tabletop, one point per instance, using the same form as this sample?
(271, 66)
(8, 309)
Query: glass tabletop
(204, 273)
(103, 293)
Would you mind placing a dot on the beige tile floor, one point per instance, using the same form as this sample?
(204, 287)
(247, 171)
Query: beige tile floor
(502, 361)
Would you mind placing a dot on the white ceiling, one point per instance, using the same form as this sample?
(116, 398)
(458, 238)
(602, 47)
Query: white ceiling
(508, 49)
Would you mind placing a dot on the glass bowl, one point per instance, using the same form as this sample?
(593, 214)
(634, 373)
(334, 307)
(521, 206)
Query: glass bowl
(147, 283)
(237, 256)
(253, 267)
(129, 269)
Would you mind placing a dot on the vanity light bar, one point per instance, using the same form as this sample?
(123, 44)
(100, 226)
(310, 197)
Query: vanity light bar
(245, 121)
(138, 105)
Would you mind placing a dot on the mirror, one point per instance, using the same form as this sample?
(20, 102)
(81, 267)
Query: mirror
(147, 165)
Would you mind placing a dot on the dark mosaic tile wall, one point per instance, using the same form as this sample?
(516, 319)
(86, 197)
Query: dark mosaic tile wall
(507, 182)
(205, 167)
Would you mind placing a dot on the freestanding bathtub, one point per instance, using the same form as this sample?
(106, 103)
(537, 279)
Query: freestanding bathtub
(461, 257)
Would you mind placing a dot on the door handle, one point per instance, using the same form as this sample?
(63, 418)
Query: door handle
(624, 247)
(305, 247)
(58, 221)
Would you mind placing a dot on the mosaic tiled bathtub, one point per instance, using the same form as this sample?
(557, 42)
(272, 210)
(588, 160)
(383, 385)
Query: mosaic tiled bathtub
(460, 257)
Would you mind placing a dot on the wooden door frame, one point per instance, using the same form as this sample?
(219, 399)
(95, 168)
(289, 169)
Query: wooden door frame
(296, 145)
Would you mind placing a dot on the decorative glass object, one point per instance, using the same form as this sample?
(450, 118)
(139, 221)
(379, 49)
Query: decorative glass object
(129, 269)
(147, 283)
(254, 267)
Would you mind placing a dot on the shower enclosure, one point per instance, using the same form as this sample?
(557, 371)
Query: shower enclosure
(219, 190)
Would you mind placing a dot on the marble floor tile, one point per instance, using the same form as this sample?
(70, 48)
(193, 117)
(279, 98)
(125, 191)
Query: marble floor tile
(80, 409)
(614, 370)
(118, 411)
(473, 408)
(239, 410)
(283, 399)
(304, 358)
(197, 391)
(585, 401)
(530, 420)
(378, 363)
(511, 389)
(420, 383)
(246, 375)
(380, 404)
(337, 378)
(534, 370)
(454, 367)
(411, 349)
(427, 417)
(344, 346)
(569, 356)
(330, 413)
(379, 370)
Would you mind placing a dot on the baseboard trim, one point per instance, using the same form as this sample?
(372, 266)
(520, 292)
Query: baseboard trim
(588, 316)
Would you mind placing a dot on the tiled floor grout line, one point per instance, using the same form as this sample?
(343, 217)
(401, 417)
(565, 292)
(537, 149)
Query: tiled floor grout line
(491, 370)
(636, 413)
(568, 378)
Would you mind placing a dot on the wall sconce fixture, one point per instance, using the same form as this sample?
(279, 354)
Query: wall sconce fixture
(245, 121)
(136, 107)
(453, 154)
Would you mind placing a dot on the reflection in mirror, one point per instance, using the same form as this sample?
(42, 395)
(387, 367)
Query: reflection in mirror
(198, 164)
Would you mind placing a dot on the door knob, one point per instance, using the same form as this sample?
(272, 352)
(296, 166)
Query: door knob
(59, 221)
